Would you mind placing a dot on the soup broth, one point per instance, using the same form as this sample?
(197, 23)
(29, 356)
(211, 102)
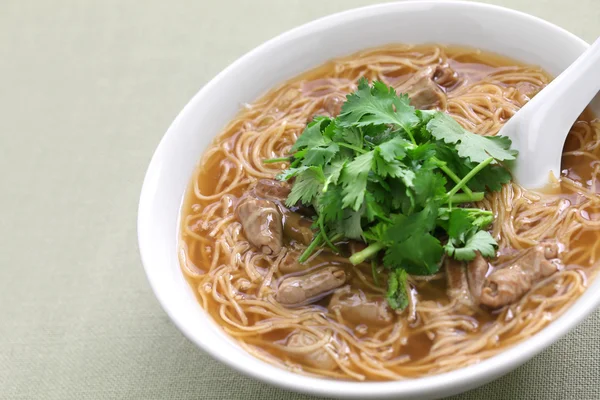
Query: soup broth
(236, 283)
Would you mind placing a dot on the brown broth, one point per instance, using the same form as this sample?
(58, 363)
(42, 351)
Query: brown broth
(473, 67)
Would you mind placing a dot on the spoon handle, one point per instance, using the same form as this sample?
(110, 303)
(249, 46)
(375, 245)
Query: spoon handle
(566, 96)
(540, 128)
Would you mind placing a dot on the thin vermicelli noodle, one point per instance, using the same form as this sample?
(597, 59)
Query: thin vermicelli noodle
(236, 283)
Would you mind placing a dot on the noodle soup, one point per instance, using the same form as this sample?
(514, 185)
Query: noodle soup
(339, 324)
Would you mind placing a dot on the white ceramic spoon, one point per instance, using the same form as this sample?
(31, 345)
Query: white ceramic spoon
(538, 131)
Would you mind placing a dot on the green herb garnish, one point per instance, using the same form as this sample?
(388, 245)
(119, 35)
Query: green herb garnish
(390, 175)
(397, 293)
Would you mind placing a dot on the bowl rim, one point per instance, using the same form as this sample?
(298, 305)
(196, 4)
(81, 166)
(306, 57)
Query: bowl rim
(434, 385)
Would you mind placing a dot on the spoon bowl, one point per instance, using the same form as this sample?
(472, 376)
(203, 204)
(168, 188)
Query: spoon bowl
(539, 130)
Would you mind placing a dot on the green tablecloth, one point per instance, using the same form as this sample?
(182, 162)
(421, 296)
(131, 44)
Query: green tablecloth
(87, 89)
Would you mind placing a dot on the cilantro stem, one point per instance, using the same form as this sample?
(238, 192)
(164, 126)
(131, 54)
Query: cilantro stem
(325, 237)
(374, 272)
(442, 165)
(412, 138)
(337, 236)
(316, 242)
(311, 247)
(277, 160)
(466, 198)
(349, 146)
(468, 177)
(369, 252)
(362, 137)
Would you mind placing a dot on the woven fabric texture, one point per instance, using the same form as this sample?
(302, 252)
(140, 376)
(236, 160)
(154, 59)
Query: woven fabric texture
(87, 89)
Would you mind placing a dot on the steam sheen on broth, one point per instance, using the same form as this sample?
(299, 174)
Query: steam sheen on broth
(346, 331)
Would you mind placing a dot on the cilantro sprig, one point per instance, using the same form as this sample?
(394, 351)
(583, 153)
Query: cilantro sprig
(395, 177)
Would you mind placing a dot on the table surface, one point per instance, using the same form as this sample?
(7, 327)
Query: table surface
(87, 91)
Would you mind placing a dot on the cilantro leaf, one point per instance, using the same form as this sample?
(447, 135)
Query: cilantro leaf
(482, 218)
(426, 115)
(411, 246)
(307, 185)
(329, 204)
(422, 152)
(491, 177)
(428, 185)
(312, 136)
(320, 155)
(354, 179)
(400, 194)
(394, 149)
(377, 134)
(386, 158)
(420, 254)
(403, 227)
(478, 218)
(351, 136)
(333, 171)
(373, 209)
(388, 174)
(469, 145)
(380, 192)
(350, 224)
(481, 241)
(377, 105)
(388, 168)
(459, 225)
(407, 177)
(290, 173)
(397, 294)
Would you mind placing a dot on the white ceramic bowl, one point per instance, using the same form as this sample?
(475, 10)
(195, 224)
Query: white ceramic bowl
(500, 30)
